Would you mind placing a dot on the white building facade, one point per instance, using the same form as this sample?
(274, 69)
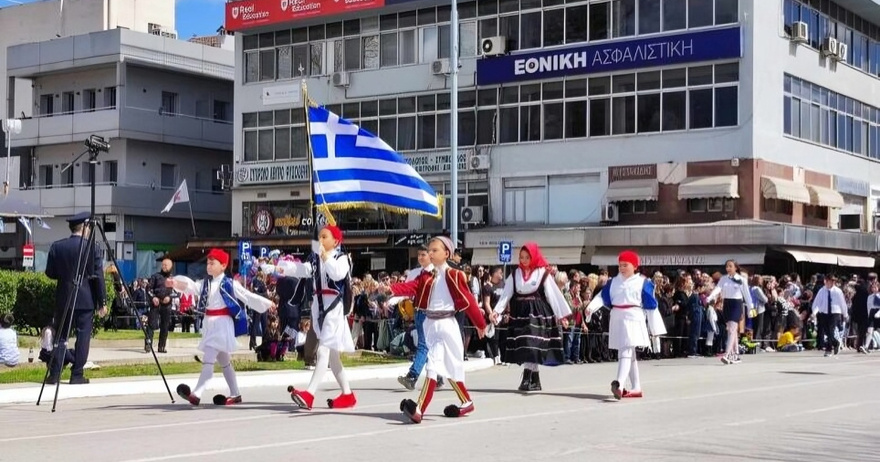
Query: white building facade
(589, 125)
(165, 107)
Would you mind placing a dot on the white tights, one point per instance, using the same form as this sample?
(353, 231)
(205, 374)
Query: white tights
(869, 338)
(212, 356)
(732, 338)
(628, 366)
(327, 356)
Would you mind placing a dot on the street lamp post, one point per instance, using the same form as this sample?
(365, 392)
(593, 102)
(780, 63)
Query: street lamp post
(453, 119)
(10, 127)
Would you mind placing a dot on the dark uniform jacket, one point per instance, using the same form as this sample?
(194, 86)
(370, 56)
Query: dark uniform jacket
(61, 266)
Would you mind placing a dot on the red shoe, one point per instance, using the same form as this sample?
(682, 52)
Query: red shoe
(458, 411)
(632, 394)
(411, 410)
(303, 399)
(184, 392)
(222, 400)
(342, 401)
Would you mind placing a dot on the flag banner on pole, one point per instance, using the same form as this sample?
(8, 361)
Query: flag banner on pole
(181, 195)
(26, 223)
(354, 168)
(42, 224)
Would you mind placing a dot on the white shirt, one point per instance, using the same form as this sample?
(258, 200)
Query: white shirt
(441, 297)
(551, 291)
(253, 301)
(838, 301)
(9, 354)
(332, 268)
(732, 288)
(412, 274)
(624, 292)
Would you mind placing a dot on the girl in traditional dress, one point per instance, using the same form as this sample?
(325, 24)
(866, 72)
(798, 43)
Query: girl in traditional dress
(536, 303)
(330, 269)
(630, 296)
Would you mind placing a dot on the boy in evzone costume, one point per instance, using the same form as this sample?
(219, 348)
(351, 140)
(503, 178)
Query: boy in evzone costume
(225, 318)
(630, 296)
(440, 294)
(330, 270)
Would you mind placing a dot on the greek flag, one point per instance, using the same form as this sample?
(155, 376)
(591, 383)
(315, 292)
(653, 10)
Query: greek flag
(354, 168)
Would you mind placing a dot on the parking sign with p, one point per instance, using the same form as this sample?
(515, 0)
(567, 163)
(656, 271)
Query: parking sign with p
(505, 251)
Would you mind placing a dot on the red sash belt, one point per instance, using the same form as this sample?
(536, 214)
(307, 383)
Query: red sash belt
(626, 306)
(328, 292)
(218, 312)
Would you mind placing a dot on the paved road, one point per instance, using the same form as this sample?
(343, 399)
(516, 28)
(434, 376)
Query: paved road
(772, 407)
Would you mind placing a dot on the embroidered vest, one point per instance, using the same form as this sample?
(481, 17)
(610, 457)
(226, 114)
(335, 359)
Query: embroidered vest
(227, 291)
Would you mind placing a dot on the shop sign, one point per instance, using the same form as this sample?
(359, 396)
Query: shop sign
(632, 172)
(272, 172)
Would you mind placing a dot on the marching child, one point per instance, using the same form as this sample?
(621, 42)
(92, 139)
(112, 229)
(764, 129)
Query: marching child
(330, 269)
(219, 299)
(441, 293)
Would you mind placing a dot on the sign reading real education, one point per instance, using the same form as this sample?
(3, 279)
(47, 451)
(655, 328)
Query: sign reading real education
(612, 56)
(247, 14)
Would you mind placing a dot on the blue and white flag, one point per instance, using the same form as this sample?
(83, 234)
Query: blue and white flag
(353, 167)
(42, 224)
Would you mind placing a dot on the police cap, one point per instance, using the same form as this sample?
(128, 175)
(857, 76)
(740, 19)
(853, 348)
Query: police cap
(79, 218)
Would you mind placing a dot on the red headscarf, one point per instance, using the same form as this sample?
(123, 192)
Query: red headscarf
(538, 260)
(335, 232)
(219, 255)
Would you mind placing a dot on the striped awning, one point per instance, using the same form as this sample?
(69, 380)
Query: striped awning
(786, 190)
(633, 190)
(824, 197)
(705, 187)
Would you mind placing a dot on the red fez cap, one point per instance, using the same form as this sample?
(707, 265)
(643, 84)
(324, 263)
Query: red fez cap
(219, 255)
(630, 257)
(335, 232)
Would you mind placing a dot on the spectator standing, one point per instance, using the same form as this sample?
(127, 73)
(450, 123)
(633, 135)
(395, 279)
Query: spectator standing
(160, 305)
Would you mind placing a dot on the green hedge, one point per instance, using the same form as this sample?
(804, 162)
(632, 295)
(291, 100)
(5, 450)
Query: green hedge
(31, 298)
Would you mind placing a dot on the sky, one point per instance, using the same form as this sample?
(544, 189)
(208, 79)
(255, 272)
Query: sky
(194, 17)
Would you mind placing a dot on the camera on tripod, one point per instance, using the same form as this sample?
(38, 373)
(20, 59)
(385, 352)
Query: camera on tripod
(98, 144)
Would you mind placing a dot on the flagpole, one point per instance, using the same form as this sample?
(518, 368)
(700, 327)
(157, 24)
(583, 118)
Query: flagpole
(453, 120)
(191, 218)
(313, 207)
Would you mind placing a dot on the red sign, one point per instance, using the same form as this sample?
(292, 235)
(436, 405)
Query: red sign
(27, 250)
(247, 14)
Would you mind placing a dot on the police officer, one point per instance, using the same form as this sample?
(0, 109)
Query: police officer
(90, 294)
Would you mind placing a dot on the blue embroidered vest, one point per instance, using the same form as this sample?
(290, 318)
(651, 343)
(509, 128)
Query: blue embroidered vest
(649, 302)
(227, 291)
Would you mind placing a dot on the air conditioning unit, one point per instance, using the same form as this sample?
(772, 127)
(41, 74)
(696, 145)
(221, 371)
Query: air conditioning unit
(479, 163)
(829, 47)
(440, 67)
(610, 213)
(340, 79)
(800, 33)
(842, 50)
(494, 46)
(156, 29)
(471, 215)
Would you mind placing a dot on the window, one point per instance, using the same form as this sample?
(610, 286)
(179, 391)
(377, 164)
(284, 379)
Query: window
(46, 176)
(637, 207)
(89, 102)
(67, 102)
(714, 204)
(565, 191)
(777, 206)
(625, 17)
(674, 14)
(169, 176)
(66, 174)
(110, 97)
(111, 171)
(222, 111)
(47, 105)
(170, 104)
(819, 115)
(816, 212)
(649, 16)
(599, 21)
(525, 200)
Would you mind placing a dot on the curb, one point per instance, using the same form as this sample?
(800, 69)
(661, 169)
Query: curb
(154, 385)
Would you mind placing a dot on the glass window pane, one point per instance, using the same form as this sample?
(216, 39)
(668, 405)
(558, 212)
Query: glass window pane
(623, 83)
(649, 16)
(371, 52)
(700, 75)
(406, 105)
(427, 133)
(726, 73)
(625, 18)
(554, 27)
(674, 110)
(553, 121)
(509, 125)
(467, 128)
(700, 108)
(406, 133)
(530, 31)
(576, 119)
(467, 39)
(388, 131)
(726, 11)
(624, 114)
(267, 137)
(282, 143)
(649, 113)
(508, 26)
(674, 14)
(388, 49)
(649, 80)
(407, 46)
(486, 129)
(700, 14)
(575, 88)
(673, 78)
(530, 123)
(600, 85)
(599, 20)
(251, 146)
(426, 103)
(553, 90)
(727, 107)
(600, 117)
(576, 24)
(510, 95)
(267, 65)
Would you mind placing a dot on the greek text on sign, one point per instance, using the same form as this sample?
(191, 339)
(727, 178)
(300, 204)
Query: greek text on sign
(436, 162)
(272, 172)
(614, 56)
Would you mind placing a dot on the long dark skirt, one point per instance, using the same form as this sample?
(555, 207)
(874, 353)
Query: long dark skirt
(533, 335)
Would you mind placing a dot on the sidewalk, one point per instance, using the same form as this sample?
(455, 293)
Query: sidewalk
(142, 385)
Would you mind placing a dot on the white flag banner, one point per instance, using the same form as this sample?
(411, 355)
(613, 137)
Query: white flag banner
(26, 223)
(42, 224)
(182, 195)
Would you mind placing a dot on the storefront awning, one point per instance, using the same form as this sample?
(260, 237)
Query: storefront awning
(825, 197)
(683, 257)
(704, 187)
(632, 190)
(834, 258)
(786, 190)
(553, 255)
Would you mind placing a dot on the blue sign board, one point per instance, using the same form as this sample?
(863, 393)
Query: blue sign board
(263, 252)
(612, 56)
(245, 250)
(505, 251)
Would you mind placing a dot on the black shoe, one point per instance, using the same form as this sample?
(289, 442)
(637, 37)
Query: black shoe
(440, 382)
(408, 381)
(52, 380)
(78, 381)
(535, 382)
(526, 380)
